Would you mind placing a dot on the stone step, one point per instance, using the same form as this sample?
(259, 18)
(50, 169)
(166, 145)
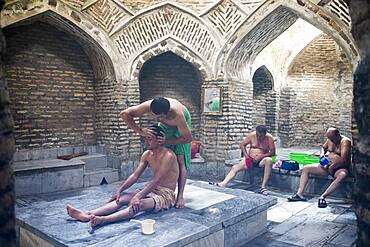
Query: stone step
(100, 176)
(48, 175)
(94, 161)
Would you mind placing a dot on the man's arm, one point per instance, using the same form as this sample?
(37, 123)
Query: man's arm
(247, 140)
(135, 175)
(344, 159)
(135, 111)
(185, 137)
(324, 149)
(272, 148)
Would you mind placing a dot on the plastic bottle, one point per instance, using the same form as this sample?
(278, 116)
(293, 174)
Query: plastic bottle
(324, 161)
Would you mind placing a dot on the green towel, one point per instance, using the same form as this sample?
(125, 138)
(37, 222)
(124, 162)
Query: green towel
(172, 133)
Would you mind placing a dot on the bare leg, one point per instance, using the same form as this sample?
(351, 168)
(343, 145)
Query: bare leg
(127, 213)
(340, 175)
(267, 163)
(314, 169)
(232, 173)
(181, 182)
(104, 210)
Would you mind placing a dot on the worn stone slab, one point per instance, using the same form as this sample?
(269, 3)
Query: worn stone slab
(284, 211)
(308, 232)
(268, 242)
(348, 217)
(45, 216)
(346, 237)
(208, 197)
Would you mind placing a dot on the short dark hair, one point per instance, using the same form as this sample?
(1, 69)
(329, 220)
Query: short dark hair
(262, 129)
(158, 130)
(160, 105)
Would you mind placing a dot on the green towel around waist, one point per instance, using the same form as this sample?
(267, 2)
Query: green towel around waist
(172, 133)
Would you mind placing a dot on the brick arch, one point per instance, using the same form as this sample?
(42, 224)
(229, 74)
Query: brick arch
(177, 48)
(160, 22)
(100, 51)
(263, 76)
(313, 88)
(243, 46)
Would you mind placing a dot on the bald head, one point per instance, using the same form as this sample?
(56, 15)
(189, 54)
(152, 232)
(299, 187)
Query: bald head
(333, 134)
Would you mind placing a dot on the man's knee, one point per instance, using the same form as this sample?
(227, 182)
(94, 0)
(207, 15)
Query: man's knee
(341, 175)
(267, 161)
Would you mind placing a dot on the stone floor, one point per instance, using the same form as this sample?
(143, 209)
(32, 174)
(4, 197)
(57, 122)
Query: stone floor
(304, 224)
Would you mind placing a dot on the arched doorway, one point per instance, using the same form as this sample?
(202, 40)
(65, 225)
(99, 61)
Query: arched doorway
(171, 76)
(264, 100)
(51, 86)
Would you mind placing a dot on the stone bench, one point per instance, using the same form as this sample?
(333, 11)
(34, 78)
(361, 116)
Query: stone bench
(279, 179)
(48, 175)
(213, 216)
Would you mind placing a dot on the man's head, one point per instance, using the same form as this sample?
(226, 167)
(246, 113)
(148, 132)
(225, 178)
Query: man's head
(261, 132)
(160, 106)
(152, 143)
(333, 135)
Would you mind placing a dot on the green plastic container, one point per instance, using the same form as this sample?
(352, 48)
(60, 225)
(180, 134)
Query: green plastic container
(299, 157)
(304, 159)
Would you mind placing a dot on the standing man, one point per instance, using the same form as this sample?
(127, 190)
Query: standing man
(174, 118)
(261, 149)
(337, 148)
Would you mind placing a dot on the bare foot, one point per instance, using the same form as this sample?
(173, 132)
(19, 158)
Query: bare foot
(180, 203)
(77, 214)
(96, 220)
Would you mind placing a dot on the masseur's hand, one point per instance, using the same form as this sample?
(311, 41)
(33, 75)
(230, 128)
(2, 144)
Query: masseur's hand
(135, 204)
(146, 132)
(115, 197)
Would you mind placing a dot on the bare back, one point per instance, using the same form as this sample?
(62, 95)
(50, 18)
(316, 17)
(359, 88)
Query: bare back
(176, 113)
(164, 164)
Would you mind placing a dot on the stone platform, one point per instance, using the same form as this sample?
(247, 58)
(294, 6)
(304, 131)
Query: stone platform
(213, 217)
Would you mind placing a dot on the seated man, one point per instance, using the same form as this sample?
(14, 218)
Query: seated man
(157, 194)
(337, 148)
(262, 147)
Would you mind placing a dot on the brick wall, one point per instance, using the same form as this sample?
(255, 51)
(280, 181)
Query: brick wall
(51, 86)
(7, 178)
(170, 76)
(320, 78)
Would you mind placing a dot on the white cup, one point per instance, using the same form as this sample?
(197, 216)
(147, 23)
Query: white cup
(147, 226)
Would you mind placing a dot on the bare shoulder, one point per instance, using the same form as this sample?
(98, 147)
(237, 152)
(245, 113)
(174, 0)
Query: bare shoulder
(269, 136)
(346, 140)
(169, 154)
(252, 134)
(146, 154)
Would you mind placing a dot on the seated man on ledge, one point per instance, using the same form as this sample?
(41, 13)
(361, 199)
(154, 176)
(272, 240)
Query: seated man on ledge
(335, 159)
(157, 194)
(262, 147)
